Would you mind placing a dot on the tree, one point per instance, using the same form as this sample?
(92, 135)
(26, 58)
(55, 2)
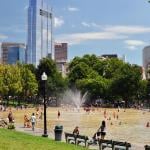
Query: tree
(55, 82)
(79, 71)
(126, 82)
(28, 81)
(10, 81)
(110, 78)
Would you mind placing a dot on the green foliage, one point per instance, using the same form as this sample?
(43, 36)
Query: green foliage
(109, 78)
(17, 80)
(55, 83)
(28, 81)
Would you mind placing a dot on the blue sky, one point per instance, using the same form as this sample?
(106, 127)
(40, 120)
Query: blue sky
(89, 26)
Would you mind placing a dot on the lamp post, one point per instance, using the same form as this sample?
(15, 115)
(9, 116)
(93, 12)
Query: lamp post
(44, 79)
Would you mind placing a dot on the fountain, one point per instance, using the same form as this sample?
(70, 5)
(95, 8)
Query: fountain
(74, 98)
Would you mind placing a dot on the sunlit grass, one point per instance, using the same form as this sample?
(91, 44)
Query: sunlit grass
(12, 140)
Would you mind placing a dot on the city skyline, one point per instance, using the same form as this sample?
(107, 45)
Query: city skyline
(99, 27)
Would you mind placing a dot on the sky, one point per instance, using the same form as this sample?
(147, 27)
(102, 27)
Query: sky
(89, 26)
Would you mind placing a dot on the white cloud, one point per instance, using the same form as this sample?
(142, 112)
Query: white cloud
(2, 37)
(95, 25)
(127, 29)
(92, 24)
(85, 24)
(134, 44)
(77, 38)
(58, 22)
(72, 9)
(107, 33)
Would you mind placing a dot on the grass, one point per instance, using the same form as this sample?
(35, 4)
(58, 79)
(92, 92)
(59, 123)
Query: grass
(12, 140)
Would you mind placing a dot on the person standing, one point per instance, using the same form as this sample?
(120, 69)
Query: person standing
(58, 114)
(10, 117)
(33, 121)
(103, 129)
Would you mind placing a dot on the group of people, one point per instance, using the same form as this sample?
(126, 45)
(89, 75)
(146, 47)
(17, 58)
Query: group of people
(100, 133)
(30, 122)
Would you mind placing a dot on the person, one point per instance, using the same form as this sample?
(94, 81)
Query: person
(105, 113)
(41, 115)
(102, 129)
(10, 117)
(58, 114)
(114, 115)
(33, 121)
(26, 122)
(37, 113)
(76, 131)
(101, 132)
(117, 117)
(148, 124)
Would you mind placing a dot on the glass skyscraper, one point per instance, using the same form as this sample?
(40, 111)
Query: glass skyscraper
(12, 52)
(39, 31)
(16, 53)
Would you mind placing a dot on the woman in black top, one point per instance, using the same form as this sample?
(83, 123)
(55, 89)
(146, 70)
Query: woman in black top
(103, 129)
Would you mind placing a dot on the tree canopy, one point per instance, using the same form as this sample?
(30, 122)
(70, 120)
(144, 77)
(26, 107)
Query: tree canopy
(106, 78)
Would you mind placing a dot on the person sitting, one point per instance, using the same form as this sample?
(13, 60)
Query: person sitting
(26, 122)
(76, 131)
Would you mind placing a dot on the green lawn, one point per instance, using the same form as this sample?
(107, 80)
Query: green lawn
(12, 140)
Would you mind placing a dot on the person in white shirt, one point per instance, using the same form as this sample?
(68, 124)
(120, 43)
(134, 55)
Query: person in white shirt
(33, 121)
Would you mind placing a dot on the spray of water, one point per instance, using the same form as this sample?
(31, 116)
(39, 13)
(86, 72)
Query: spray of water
(74, 98)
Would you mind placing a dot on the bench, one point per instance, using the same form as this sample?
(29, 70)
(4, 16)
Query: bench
(114, 145)
(76, 139)
(121, 145)
(70, 137)
(147, 147)
(82, 139)
(105, 143)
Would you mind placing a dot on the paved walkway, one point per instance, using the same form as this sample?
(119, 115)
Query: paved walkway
(36, 132)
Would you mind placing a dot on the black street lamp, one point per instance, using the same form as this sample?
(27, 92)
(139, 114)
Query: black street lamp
(44, 79)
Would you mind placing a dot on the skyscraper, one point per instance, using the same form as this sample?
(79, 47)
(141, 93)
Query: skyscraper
(61, 51)
(146, 61)
(12, 52)
(16, 54)
(61, 55)
(39, 40)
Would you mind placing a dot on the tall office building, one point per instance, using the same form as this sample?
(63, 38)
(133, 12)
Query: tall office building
(61, 55)
(16, 54)
(146, 61)
(9, 51)
(61, 51)
(39, 42)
